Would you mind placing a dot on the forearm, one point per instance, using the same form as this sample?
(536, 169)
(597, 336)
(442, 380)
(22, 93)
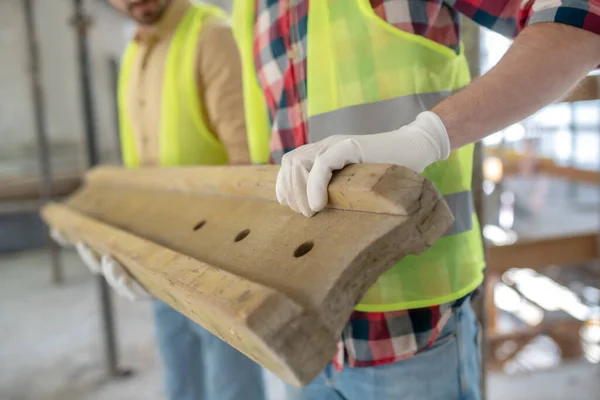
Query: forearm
(544, 63)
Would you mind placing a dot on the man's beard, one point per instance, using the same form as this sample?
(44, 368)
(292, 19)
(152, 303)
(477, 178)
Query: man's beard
(147, 17)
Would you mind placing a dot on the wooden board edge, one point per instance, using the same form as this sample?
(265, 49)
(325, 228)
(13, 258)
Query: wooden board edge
(302, 344)
(540, 253)
(353, 188)
(260, 328)
(430, 223)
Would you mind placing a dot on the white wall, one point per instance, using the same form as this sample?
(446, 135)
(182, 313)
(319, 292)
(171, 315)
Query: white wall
(61, 86)
(16, 124)
(225, 4)
(60, 79)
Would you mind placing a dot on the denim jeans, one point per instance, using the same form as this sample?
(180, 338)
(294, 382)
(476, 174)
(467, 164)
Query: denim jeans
(448, 370)
(200, 366)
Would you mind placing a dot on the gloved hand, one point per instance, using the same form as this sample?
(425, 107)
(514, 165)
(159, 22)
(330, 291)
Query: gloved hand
(59, 238)
(114, 273)
(120, 280)
(305, 172)
(89, 258)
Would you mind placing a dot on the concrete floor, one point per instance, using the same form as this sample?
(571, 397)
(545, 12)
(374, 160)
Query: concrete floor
(576, 381)
(51, 348)
(51, 344)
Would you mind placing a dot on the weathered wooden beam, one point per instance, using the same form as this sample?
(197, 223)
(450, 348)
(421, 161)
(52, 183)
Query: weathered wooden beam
(214, 244)
(565, 332)
(513, 163)
(373, 188)
(535, 254)
(20, 188)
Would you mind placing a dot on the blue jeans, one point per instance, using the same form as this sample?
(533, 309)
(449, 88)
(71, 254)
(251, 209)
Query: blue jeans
(449, 370)
(200, 366)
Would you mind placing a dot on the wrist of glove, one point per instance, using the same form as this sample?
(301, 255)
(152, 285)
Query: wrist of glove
(120, 280)
(90, 260)
(115, 274)
(305, 172)
(59, 238)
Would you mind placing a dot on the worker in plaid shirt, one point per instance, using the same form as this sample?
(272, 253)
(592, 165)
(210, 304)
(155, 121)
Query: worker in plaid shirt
(429, 352)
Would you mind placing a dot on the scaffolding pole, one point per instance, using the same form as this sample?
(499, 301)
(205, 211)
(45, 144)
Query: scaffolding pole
(81, 22)
(43, 144)
(472, 43)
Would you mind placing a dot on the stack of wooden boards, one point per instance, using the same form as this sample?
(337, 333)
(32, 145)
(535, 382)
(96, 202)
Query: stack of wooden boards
(213, 243)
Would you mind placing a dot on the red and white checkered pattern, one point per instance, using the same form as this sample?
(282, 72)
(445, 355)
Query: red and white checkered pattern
(280, 56)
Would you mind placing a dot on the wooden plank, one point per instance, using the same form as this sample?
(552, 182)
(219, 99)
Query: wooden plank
(213, 243)
(571, 173)
(588, 89)
(541, 253)
(226, 304)
(28, 188)
(371, 188)
(565, 332)
(514, 164)
(490, 306)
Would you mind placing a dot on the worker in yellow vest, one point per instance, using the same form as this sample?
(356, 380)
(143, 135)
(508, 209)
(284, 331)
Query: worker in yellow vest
(180, 103)
(334, 82)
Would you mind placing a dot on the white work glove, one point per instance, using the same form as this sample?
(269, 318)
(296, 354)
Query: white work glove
(114, 273)
(120, 280)
(59, 238)
(89, 258)
(305, 172)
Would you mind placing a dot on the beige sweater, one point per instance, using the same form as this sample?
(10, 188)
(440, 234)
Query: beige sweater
(219, 84)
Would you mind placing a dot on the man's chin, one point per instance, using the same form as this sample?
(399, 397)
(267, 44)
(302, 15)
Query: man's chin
(146, 18)
(146, 12)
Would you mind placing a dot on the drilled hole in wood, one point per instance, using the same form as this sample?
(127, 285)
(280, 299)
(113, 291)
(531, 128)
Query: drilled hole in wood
(303, 249)
(242, 235)
(199, 225)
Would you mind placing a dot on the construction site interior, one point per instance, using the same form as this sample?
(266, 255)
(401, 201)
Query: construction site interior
(537, 188)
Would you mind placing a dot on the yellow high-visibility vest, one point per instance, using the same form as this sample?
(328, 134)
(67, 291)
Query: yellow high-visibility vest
(365, 76)
(185, 137)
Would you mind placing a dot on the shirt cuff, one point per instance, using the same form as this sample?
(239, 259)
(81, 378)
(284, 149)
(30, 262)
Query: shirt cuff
(575, 16)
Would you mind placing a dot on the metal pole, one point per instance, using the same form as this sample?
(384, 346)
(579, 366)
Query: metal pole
(43, 147)
(81, 23)
(574, 129)
(114, 80)
(472, 43)
(597, 263)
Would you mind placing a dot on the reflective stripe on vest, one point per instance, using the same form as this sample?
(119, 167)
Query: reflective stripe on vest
(185, 136)
(365, 76)
(383, 116)
(379, 116)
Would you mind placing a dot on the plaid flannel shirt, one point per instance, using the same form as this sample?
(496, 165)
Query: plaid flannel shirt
(375, 338)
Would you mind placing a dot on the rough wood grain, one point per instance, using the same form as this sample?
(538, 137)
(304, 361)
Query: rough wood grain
(371, 188)
(213, 243)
